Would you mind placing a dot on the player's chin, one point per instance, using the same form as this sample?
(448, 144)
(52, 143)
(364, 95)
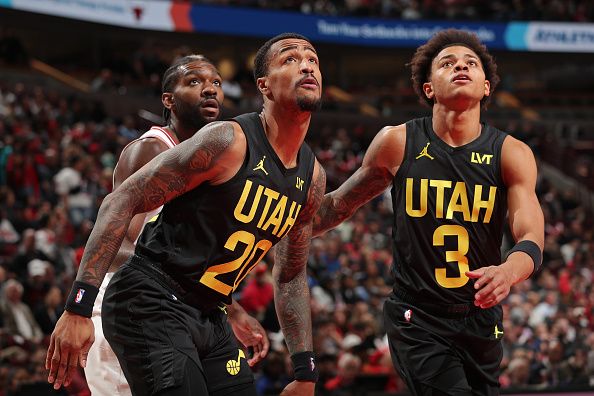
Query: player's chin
(209, 115)
(309, 102)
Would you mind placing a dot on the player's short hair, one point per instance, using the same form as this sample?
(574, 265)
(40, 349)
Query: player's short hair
(172, 75)
(421, 61)
(262, 59)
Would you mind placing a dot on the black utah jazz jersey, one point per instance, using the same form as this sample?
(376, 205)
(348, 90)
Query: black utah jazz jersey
(449, 211)
(209, 238)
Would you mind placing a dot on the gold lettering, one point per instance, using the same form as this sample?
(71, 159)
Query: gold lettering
(276, 217)
(422, 197)
(459, 202)
(291, 218)
(270, 195)
(439, 185)
(478, 158)
(479, 203)
(243, 199)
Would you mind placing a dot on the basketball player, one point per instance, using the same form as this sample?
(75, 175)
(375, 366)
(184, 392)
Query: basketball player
(230, 192)
(192, 96)
(453, 180)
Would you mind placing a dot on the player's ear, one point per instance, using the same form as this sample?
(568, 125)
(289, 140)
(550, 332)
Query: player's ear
(167, 100)
(428, 90)
(262, 84)
(487, 88)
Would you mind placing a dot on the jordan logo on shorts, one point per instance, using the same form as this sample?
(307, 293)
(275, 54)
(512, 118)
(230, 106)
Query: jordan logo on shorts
(233, 366)
(497, 332)
(260, 166)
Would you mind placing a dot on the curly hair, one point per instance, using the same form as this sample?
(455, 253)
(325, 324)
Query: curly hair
(261, 61)
(173, 73)
(422, 59)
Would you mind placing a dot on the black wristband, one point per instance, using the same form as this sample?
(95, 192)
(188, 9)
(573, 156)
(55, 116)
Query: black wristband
(531, 249)
(81, 299)
(304, 366)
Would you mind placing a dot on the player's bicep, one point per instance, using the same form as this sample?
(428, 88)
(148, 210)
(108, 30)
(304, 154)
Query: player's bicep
(381, 162)
(135, 156)
(519, 175)
(199, 159)
(315, 195)
(292, 251)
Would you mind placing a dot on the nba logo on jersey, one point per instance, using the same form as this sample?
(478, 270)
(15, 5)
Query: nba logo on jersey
(79, 295)
(408, 315)
(312, 364)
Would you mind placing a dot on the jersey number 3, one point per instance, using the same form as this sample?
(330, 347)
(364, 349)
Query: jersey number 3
(458, 256)
(244, 263)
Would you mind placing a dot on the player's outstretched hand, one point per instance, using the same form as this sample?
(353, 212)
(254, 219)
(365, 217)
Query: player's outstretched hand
(299, 388)
(493, 284)
(69, 346)
(250, 333)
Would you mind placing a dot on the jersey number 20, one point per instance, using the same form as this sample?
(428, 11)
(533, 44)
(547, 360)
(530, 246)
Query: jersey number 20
(244, 263)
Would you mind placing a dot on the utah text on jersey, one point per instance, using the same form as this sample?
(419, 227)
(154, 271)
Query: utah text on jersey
(458, 201)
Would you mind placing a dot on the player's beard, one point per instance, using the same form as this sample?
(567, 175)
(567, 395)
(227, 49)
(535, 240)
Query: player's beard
(190, 116)
(309, 104)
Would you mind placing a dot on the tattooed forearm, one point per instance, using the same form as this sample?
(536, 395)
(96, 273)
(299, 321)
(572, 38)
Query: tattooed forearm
(103, 243)
(340, 204)
(291, 293)
(169, 175)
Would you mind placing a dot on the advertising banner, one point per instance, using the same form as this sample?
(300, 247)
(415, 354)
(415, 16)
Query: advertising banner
(150, 15)
(235, 21)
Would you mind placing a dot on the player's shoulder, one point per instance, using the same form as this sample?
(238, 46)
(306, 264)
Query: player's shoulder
(517, 161)
(515, 149)
(390, 138)
(220, 129)
(144, 146)
(223, 141)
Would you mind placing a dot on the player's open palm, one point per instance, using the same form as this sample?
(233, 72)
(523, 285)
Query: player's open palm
(299, 388)
(493, 284)
(69, 346)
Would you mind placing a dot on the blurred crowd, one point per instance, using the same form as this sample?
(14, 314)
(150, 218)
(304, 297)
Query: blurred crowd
(57, 155)
(496, 10)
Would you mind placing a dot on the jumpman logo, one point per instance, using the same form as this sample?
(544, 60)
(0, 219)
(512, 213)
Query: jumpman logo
(497, 332)
(424, 152)
(260, 166)
(234, 366)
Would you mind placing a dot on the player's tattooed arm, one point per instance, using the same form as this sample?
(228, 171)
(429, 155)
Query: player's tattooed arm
(291, 292)
(380, 164)
(167, 176)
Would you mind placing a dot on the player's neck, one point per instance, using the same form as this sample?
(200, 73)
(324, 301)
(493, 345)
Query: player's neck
(456, 128)
(180, 131)
(286, 130)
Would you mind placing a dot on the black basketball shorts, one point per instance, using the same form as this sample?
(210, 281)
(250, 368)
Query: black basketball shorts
(440, 350)
(156, 337)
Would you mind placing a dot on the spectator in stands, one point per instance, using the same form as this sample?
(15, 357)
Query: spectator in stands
(48, 313)
(17, 316)
(258, 292)
(349, 366)
(27, 252)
